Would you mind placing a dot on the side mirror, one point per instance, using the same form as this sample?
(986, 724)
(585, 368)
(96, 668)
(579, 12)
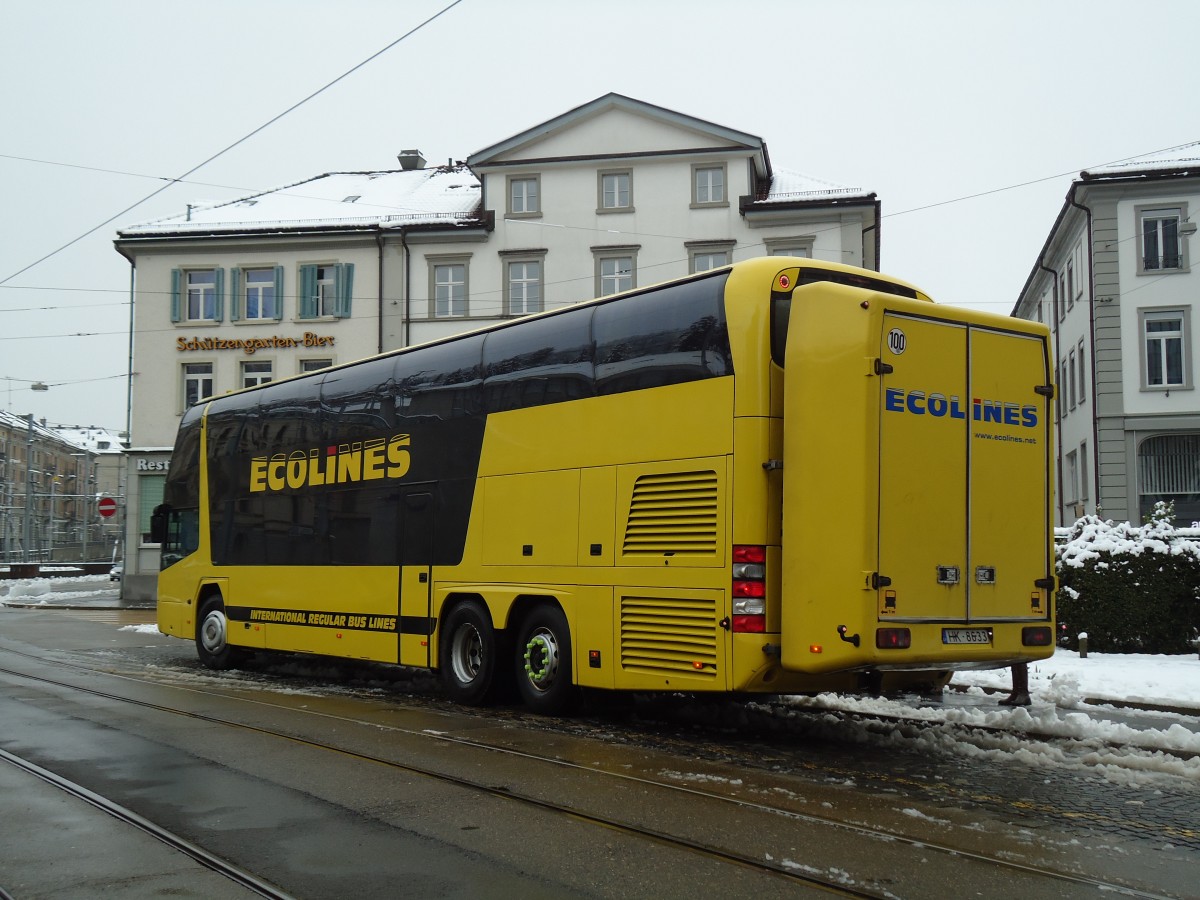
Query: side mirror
(158, 524)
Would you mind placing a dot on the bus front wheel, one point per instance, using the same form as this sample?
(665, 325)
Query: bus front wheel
(212, 636)
(468, 654)
(544, 662)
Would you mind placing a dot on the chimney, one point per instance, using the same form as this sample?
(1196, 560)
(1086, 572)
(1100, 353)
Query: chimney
(411, 159)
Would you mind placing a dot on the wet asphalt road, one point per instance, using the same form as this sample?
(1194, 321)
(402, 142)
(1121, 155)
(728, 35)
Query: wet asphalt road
(326, 824)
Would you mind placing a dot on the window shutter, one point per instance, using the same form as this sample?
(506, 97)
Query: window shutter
(176, 299)
(235, 294)
(219, 290)
(308, 292)
(345, 289)
(278, 293)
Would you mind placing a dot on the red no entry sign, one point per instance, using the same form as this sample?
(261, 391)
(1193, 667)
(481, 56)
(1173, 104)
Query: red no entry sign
(107, 507)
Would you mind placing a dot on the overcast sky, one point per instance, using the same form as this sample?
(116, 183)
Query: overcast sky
(922, 102)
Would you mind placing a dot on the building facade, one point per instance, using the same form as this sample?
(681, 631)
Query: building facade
(613, 195)
(1114, 282)
(51, 484)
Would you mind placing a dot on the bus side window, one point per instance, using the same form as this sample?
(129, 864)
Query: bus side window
(442, 381)
(666, 336)
(539, 362)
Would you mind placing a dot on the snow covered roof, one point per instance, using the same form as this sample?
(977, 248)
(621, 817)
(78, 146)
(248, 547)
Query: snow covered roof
(90, 437)
(1172, 159)
(791, 187)
(388, 199)
(14, 423)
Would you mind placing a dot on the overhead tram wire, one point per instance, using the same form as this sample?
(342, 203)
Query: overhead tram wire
(542, 224)
(236, 143)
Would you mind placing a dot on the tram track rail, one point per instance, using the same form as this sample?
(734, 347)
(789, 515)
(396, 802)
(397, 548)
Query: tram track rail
(106, 805)
(787, 870)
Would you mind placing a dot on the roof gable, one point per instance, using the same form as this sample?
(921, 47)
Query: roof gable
(618, 126)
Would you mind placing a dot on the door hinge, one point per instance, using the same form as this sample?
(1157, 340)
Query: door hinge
(773, 465)
(880, 581)
(882, 368)
(1046, 390)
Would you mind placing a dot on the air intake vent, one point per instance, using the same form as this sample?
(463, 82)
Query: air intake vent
(674, 513)
(669, 635)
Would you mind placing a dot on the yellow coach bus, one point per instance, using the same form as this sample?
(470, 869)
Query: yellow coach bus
(779, 476)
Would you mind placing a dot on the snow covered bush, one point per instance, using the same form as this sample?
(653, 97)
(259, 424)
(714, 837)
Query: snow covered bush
(1132, 589)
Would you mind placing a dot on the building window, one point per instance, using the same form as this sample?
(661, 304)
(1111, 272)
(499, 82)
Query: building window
(150, 496)
(523, 287)
(257, 372)
(705, 255)
(1083, 471)
(1064, 401)
(702, 262)
(1082, 373)
(1071, 390)
(197, 383)
(708, 186)
(1071, 488)
(616, 269)
(1161, 247)
(616, 191)
(314, 365)
(326, 290)
(524, 195)
(1165, 340)
(1169, 470)
(202, 295)
(197, 295)
(1069, 281)
(448, 287)
(790, 246)
(257, 294)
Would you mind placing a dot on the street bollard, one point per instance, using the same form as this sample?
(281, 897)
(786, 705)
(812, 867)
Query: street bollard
(1083, 645)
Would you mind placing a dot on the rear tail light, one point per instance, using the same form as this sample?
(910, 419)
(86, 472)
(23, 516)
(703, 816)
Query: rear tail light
(1037, 636)
(893, 638)
(749, 588)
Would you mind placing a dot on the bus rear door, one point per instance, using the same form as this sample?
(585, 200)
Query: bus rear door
(963, 477)
(915, 480)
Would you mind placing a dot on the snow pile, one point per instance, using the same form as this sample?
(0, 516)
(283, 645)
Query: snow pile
(1091, 538)
(1066, 679)
(47, 591)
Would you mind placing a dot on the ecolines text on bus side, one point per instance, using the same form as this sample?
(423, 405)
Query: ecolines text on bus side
(369, 460)
(939, 405)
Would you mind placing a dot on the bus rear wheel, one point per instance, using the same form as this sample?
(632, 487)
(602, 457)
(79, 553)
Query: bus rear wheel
(543, 660)
(212, 637)
(468, 654)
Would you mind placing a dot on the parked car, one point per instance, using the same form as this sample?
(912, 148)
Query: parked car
(114, 574)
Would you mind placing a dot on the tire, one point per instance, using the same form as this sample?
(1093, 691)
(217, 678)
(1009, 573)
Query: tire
(212, 637)
(543, 662)
(467, 654)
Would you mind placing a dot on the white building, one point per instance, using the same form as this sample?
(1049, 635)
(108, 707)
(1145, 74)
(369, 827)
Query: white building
(612, 195)
(1115, 284)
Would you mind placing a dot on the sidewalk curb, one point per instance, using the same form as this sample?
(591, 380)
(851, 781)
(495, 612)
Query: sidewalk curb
(12, 605)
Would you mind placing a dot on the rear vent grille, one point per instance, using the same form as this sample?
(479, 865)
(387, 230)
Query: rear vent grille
(669, 635)
(673, 513)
